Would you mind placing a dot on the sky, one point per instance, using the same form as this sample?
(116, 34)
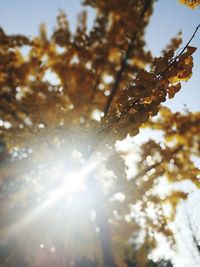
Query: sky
(24, 16)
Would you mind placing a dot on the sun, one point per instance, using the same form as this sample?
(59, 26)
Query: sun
(56, 186)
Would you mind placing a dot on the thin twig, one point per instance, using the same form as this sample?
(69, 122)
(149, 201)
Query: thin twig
(191, 38)
(173, 60)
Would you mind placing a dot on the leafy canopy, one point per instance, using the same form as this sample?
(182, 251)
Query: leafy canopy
(64, 104)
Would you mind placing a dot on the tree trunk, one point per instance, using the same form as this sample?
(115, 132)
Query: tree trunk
(105, 237)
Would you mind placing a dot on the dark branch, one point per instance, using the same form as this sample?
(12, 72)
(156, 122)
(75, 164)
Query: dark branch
(173, 60)
(124, 63)
(120, 73)
(191, 38)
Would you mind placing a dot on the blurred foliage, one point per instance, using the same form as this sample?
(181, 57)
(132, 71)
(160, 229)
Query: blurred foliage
(65, 102)
(193, 4)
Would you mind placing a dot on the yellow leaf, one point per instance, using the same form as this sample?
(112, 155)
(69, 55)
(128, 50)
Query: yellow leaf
(193, 4)
(172, 90)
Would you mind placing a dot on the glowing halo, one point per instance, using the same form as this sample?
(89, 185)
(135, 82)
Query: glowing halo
(70, 184)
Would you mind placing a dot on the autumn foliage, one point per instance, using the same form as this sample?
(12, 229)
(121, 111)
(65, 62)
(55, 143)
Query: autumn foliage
(65, 102)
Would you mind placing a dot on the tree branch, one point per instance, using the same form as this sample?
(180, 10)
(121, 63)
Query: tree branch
(173, 60)
(124, 59)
